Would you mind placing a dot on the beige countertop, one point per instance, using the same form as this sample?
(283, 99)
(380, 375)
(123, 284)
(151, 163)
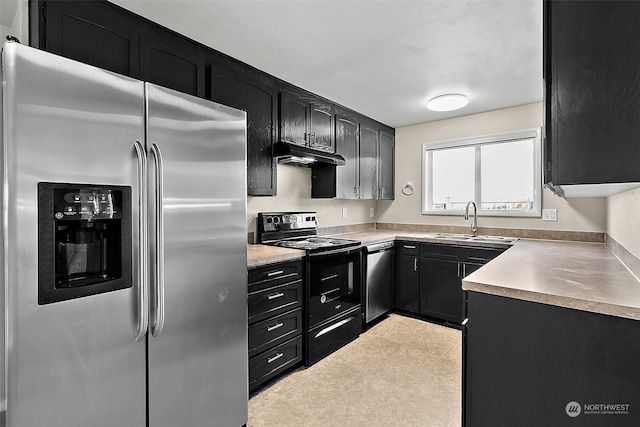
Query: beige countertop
(583, 276)
(258, 255)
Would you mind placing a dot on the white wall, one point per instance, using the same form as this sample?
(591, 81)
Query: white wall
(623, 219)
(294, 194)
(14, 20)
(584, 214)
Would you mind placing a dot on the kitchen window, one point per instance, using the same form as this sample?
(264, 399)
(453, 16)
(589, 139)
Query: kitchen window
(501, 173)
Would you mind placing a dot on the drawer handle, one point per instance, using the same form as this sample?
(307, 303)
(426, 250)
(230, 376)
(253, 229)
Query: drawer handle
(274, 327)
(275, 273)
(274, 296)
(274, 358)
(322, 279)
(409, 247)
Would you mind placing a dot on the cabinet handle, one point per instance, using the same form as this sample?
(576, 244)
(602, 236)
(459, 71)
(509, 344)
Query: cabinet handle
(274, 296)
(408, 247)
(275, 357)
(275, 273)
(458, 269)
(274, 327)
(464, 270)
(415, 264)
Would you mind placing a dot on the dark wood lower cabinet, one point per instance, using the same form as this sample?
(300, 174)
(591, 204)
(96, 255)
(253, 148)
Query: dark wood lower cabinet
(407, 277)
(275, 320)
(531, 364)
(441, 294)
(435, 285)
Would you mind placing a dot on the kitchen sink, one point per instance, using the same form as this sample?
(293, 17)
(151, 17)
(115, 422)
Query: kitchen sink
(478, 239)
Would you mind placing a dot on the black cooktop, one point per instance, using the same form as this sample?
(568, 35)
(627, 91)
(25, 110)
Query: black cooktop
(296, 230)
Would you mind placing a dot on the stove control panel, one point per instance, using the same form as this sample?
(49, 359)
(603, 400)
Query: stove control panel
(280, 221)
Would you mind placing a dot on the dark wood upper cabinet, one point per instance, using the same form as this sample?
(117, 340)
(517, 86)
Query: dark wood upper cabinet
(386, 163)
(294, 117)
(321, 126)
(347, 143)
(245, 88)
(169, 63)
(368, 154)
(306, 120)
(368, 148)
(90, 32)
(592, 74)
(105, 35)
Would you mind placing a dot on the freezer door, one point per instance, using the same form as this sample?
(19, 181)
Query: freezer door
(198, 359)
(71, 363)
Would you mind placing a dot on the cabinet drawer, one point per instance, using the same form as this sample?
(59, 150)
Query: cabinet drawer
(482, 255)
(275, 274)
(274, 331)
(274, 300)
(448, 252)
(408, 248)
(270, 363)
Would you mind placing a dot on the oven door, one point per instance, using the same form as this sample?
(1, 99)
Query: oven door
(334, 282)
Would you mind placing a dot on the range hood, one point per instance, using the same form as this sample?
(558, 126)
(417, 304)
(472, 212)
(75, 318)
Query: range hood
(292, 154)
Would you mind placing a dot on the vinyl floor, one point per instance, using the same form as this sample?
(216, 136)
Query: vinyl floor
(401, 372)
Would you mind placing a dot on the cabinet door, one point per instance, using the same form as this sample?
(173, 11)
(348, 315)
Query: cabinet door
(294, 113)
(169, 63)
(242, 87)
(386, 164)
(594, 87)
(321, 127)
(441, 294)
(368, 160)
(347, 147)
(91, 32)
(407, 283)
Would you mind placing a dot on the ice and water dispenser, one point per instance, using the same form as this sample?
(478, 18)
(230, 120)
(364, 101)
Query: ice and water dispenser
(84, 240)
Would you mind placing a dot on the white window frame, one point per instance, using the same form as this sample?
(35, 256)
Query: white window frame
(427, 185)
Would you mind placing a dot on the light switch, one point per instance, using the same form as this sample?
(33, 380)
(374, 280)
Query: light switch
(549, 214)
(344, 212)
(372, 212)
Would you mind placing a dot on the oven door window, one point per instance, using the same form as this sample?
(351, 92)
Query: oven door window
(334, 286)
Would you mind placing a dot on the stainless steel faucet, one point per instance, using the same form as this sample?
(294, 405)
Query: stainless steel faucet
(474, 227)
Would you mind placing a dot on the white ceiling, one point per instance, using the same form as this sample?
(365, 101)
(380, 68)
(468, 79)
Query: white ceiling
(382, 58)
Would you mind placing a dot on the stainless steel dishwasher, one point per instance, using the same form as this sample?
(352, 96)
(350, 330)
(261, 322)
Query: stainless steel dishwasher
(378, 284)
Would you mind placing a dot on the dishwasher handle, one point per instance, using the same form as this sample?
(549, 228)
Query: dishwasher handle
(379, 247)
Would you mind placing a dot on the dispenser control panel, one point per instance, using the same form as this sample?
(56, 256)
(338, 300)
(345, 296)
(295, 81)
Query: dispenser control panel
(87, 203)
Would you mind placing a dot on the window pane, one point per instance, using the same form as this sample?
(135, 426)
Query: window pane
(452, 177)
(507, 176)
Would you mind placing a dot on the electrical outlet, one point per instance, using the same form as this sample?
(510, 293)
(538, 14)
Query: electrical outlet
(549, 214)
(344, 212)
(372, 212)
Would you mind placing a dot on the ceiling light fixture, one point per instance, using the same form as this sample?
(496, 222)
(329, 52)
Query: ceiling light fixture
(447, 102)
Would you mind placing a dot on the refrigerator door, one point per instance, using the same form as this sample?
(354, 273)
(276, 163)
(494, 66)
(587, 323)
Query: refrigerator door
(74, 362)
(198, 357)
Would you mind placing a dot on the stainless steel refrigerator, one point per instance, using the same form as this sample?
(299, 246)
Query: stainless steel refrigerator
(124, 251)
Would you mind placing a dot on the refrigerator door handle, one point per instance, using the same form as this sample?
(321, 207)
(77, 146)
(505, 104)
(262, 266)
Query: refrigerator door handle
(158, 323)
(142, 285)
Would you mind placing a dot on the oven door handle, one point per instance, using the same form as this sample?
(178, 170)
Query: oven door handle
(342, 251)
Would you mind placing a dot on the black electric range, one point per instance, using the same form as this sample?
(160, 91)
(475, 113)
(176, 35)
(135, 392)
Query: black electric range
(333, 306)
